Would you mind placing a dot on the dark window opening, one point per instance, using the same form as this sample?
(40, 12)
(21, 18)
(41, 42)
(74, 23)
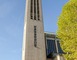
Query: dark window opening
(51, 48)
(34, 9)
(35, 37)
(38, 9)
(31, 12)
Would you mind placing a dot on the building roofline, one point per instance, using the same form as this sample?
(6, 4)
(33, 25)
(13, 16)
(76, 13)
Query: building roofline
(50, 33)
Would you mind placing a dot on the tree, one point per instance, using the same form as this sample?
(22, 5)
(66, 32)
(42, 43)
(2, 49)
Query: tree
(67, 29)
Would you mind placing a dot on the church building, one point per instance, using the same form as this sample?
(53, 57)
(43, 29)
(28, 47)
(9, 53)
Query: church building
(37, 45)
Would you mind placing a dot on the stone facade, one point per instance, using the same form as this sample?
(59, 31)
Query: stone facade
(33, 38)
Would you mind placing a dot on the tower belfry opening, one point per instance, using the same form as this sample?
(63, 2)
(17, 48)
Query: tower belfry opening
(31, 9)
(35, 14)
(34, 9)
(38, 15)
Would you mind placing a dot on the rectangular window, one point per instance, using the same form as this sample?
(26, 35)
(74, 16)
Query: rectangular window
(51, 47)
(35, 37)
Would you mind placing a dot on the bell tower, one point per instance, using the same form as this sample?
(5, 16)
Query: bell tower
(33, 38)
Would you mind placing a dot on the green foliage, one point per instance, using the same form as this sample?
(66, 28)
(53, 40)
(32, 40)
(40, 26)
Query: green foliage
(67, 29)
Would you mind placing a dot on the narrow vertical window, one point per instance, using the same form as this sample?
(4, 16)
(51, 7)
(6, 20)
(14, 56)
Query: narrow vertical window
(34, 9)
(35, 37)
(38, 10)
(31, 11)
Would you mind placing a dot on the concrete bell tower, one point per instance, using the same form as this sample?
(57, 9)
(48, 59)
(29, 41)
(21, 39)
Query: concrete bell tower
(33, 38)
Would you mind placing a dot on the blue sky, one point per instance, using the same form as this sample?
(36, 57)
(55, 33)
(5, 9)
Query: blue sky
(12, 21)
